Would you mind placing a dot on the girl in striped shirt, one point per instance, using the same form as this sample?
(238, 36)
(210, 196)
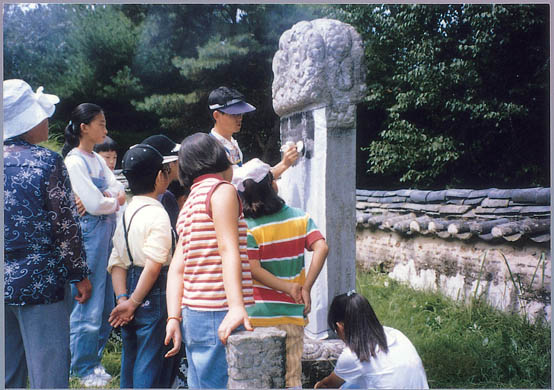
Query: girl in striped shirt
(278, 235)
(209, 282)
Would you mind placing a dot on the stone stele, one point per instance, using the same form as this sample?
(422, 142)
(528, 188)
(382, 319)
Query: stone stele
(319, 77)
(320, 64)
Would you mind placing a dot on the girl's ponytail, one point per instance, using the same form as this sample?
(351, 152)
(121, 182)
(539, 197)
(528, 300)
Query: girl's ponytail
(83, 113)
(71, 138)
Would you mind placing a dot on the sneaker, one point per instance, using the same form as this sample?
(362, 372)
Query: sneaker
(101, 372)
(93, 380)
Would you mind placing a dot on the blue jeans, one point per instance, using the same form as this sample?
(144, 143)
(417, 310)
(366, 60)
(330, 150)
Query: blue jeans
(36, 339)
(207, 364)
(142, 362)
(89, 327)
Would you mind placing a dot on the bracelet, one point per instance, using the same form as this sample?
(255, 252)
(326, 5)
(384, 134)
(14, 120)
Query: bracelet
(121, 296)
(134, 300)
(174, 318)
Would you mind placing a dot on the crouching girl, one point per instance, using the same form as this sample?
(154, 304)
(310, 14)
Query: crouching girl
(375, 357)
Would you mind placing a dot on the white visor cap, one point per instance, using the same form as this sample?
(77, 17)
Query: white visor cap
(254, 169)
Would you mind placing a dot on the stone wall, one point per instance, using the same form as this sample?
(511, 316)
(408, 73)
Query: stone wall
(513, 277)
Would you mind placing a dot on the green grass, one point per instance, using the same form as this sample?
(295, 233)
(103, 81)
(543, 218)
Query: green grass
(462, 346)
(111, 360)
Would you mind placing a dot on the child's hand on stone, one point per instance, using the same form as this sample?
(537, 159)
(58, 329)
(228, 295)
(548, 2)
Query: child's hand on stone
(290, 156)
(235, 317)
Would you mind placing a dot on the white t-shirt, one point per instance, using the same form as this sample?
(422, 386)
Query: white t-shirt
(400, 368)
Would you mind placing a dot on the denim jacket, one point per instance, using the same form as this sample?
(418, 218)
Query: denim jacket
(43, 245)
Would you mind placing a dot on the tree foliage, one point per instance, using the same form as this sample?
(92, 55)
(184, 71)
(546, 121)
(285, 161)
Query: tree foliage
(459, 93)
(235, 49)
(34, 43)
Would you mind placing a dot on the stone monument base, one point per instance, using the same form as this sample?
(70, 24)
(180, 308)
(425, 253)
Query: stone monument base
(318, 360)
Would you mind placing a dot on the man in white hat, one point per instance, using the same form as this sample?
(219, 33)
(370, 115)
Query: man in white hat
(43, 248)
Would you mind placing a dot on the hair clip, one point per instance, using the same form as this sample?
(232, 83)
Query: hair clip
(349, 293)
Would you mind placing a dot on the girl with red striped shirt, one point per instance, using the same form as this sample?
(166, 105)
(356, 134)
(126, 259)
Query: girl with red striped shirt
(209, 282)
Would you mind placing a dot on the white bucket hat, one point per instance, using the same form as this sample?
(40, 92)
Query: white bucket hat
(254, 169)
(24, 109)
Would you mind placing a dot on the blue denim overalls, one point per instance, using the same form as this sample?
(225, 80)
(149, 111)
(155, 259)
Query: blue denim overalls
(89, 326)
(142, 362)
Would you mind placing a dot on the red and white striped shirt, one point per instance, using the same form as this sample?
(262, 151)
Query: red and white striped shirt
(203, 272)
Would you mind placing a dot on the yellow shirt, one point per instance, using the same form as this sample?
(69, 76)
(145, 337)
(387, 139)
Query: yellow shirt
(149, 235)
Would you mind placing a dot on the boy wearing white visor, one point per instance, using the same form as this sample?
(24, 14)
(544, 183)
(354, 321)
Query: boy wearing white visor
(227, 107)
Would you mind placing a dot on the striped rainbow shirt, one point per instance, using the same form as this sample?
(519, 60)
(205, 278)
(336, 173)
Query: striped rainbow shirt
(278, 241)
(203, 272)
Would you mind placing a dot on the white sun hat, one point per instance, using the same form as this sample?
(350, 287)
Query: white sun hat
(254, 169)
(23, 108)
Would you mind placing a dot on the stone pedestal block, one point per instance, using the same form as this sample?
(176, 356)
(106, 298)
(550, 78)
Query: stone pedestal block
(257, 359)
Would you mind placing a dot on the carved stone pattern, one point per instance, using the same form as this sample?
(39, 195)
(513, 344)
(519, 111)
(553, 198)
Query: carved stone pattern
(256, 360)
(329, 349)
(319, 63)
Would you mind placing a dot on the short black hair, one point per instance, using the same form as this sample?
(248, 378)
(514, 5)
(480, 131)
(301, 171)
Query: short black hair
(142, 182)
(260, 199)
(177, 189)
(362, 330)
(222, 95)
(109, 145)
(200, 154)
